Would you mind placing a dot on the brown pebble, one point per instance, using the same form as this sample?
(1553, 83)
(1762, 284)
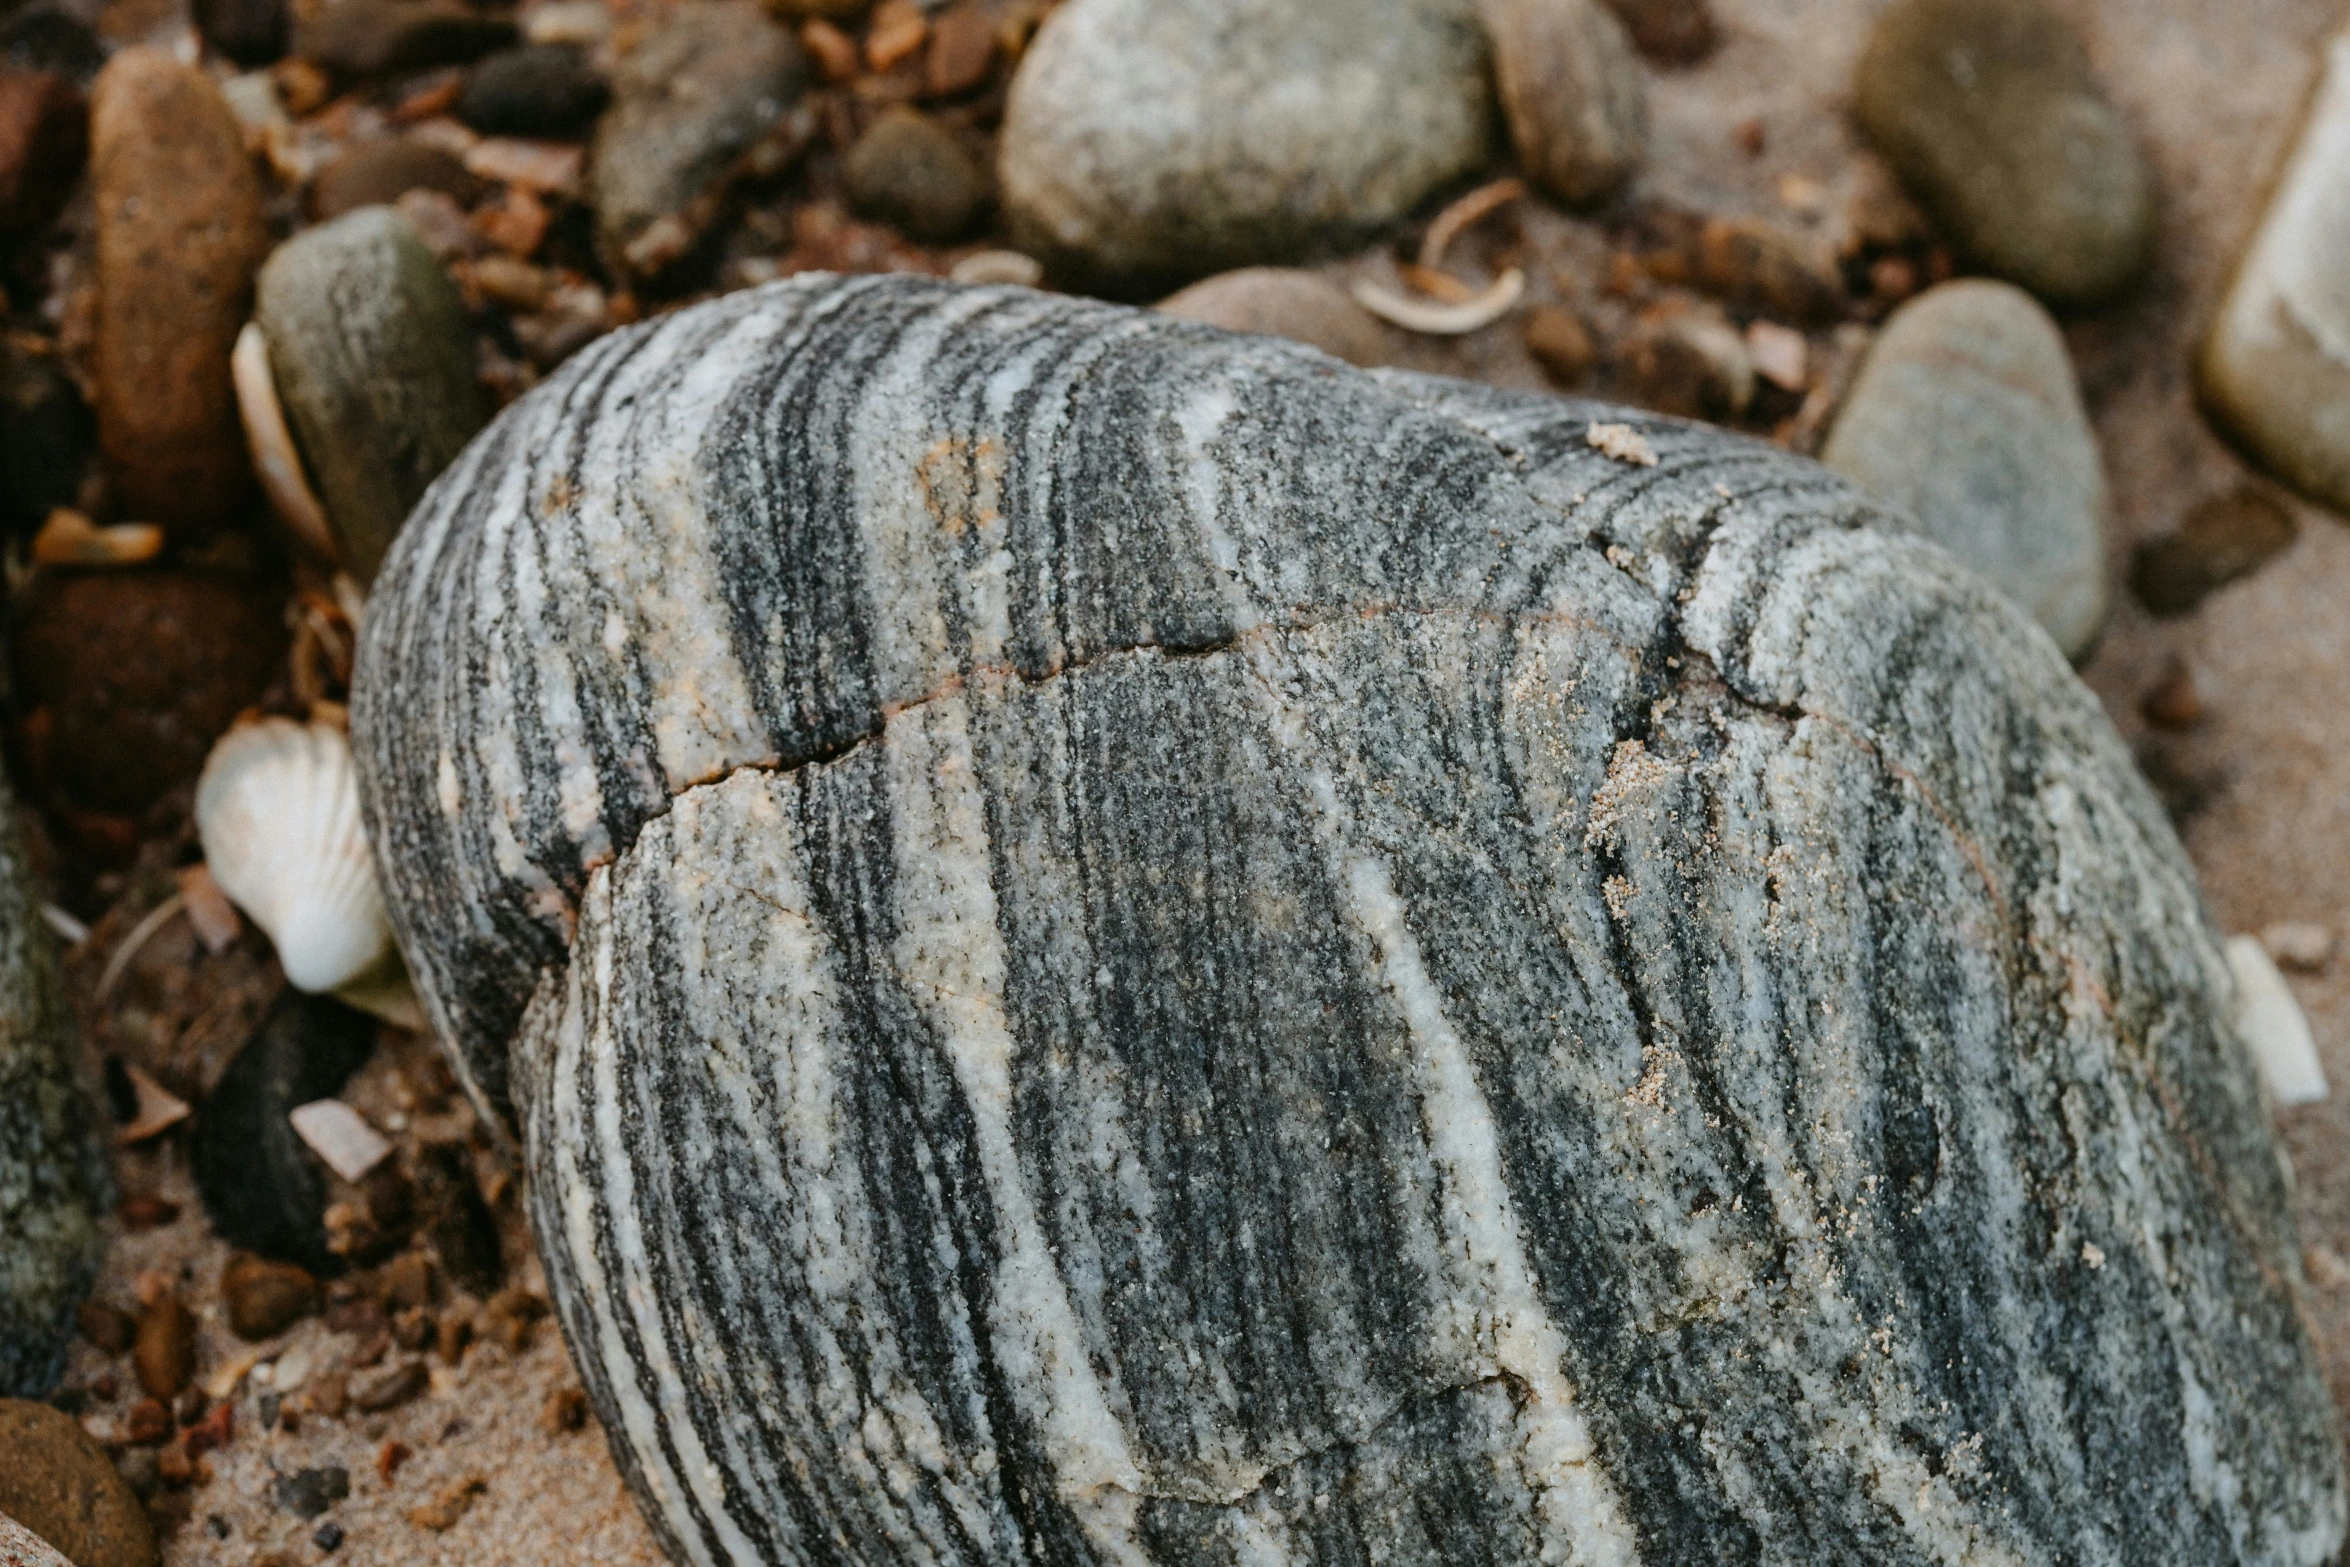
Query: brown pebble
(147, 1423)
(180, 234)
(108, 1327)
(380, 173)
(138, 671)
(215, 1430)
(189, 1407)
(1289, 302)
(44, 135)
(1892, 278)
(1670, 32)
(1751, 137)
(105, 1388)
(511, 1312)
(898, 29)
(2173, 702)
(389, 1458)
(266, 1298)
(406, 1281)
(362, 1317)
(566, 1410)
(456, 1331)
(147, 1212)
(834, 51)
(962, 50)
(2227, 537)
(1763, 266)
(1560, 343)
(449, 1504)
(56, 1481)
(179, 1467)
(393, 1388)
(329, 1394)
(165, 1349)
(413, 1329)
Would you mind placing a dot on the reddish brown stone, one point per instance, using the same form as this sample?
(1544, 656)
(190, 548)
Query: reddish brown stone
(180, 235)
(125, 678)
(165, 1351)
(44, 136)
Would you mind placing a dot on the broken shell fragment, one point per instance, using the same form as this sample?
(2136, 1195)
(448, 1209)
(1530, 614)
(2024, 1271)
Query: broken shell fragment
(1121, 944)
(275, 457)
(1436, 318)
(278, 811)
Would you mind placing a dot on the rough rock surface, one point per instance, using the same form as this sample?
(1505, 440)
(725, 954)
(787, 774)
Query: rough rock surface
(180, 235)
(1148, 142)
(2275, 370)
(53, 1181)
(1991, 113)
(372, 352)
(1966, 419)
(687, 104)
(1279, 959)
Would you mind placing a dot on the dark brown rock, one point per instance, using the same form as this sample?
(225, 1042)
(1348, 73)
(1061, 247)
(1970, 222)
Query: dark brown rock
(358, 39)
(46, 439)
(407, 1281)
(266, 1298)
(180, 234)
(1686, 363)
(125, 678)
(961, 50)
(56, 1481)
(1560, 343)
(44, 136)
(380, 173)
(1767, 267)
(108, 1327)
(1670, 32)
(908, 170)
(250, 32)
(392, 1388)
(165, 1350)
(544, 90)
(2227, 537)
(147, 1423)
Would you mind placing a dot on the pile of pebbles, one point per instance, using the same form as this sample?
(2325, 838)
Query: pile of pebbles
(270, 263)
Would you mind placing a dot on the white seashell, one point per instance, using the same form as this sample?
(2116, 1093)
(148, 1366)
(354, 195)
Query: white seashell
(2275, 1026)
(1443, 320)
(278, 810)
(271, 443)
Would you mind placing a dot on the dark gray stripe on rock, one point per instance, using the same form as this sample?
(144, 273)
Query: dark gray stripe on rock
(1183, 955)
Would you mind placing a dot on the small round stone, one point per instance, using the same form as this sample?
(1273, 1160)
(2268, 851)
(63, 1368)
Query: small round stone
(1572, 93)
(1966, 418)
(1989, 111)
(360, 39)
(380, 173)
(164, 1352)
(1268, 131)
(1290, 302)
(2226, 537)
(1560, 343)
(544, 90)
(909, 170)
(56, 1481)
(265, 1298)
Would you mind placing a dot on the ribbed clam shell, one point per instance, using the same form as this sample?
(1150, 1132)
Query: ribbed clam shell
(1119, 944)
(278, 811)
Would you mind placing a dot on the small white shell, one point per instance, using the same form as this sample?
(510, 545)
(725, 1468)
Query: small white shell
(278, 810)
(2275, 1026)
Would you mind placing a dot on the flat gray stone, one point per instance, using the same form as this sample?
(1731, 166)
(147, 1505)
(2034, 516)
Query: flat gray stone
(1990, 112)
(54, 1184)
(1150, 142)
(1115, 942)
(688, 103)
(372, 351)
(1966, 419)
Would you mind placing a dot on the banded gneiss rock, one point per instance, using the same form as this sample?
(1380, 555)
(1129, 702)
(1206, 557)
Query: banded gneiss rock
(1115, 943)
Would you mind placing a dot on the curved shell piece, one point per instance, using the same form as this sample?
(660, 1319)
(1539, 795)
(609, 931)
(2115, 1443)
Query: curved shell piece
(1116, 943)
(278, 810)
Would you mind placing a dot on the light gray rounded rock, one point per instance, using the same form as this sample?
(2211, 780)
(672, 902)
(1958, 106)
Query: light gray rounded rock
(688, 102)
(1149, 142)
(372, 352)
(1290, 302)
(1120, 943)
(1991, 113)
(1966, 419)
(1572, 92)
(54, 1185)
